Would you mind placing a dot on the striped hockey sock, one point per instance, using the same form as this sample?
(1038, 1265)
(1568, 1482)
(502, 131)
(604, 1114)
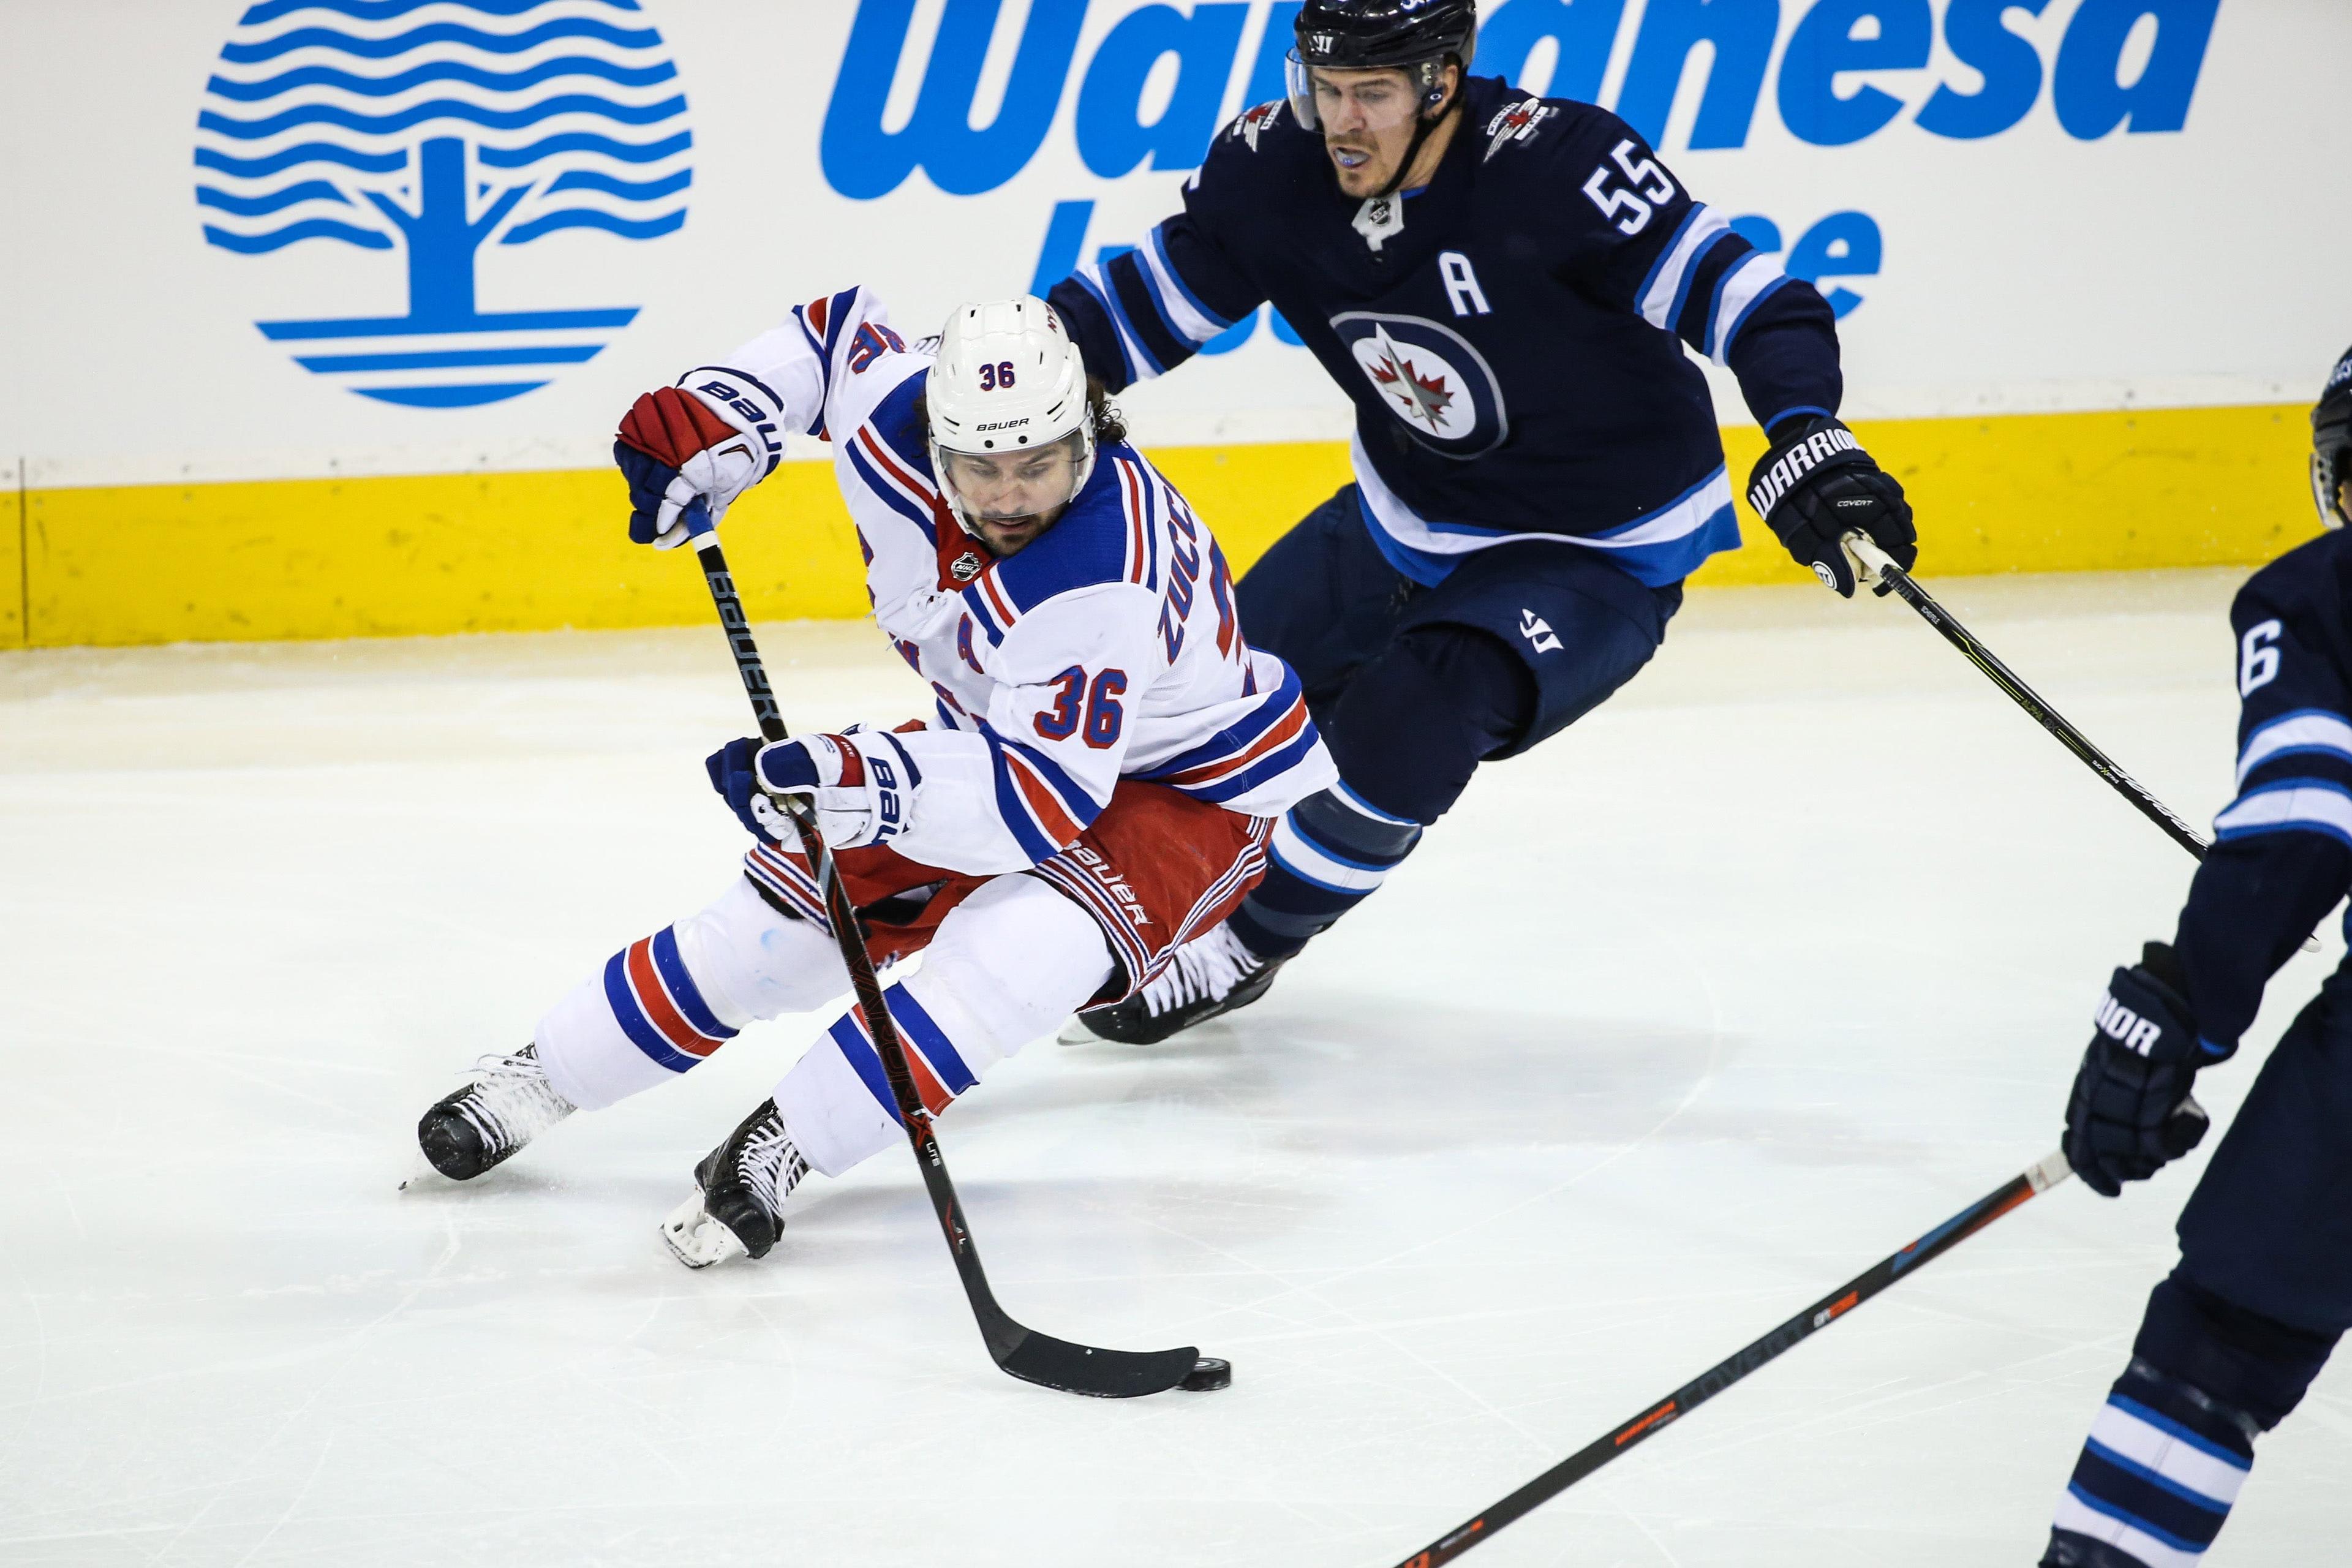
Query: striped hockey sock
(2157, 1478)
(1329, 853)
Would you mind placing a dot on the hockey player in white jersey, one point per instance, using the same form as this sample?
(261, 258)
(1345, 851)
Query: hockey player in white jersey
(1095, 787)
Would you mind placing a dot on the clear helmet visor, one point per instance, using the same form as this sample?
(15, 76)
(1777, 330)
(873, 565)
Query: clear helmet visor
(1005, 487)
(1330, 99)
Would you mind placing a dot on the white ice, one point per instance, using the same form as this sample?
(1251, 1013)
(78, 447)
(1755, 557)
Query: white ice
(1772, 963)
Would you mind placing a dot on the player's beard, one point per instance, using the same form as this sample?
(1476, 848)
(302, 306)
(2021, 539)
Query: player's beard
(1010, 535)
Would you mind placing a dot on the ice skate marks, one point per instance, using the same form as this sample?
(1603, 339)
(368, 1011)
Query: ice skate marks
(445, 131)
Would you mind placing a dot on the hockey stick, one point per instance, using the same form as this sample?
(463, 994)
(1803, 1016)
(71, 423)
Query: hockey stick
(1025, 1353)
(1877, 566)
(2017, 1190)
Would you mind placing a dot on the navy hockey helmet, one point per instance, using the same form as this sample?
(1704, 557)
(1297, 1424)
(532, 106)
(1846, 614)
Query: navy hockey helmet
(1415, 36)
(2331, 444)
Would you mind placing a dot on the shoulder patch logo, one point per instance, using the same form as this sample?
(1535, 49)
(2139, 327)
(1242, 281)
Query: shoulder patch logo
(1251, 123)
(1516, 122)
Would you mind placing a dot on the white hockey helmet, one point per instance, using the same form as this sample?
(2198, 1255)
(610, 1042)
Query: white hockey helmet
(1008, 379)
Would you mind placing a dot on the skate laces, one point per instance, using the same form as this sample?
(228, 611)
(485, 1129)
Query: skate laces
(510, 1103)
(1203, 970)
(769, 1164)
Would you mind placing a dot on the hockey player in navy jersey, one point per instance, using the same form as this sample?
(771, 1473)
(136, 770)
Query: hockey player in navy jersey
(1504, 286)
(2263, 1290)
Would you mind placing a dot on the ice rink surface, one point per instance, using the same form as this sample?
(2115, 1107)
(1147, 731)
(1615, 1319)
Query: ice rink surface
(1775, 962)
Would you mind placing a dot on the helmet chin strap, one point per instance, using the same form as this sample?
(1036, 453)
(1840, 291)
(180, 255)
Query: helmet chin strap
(1424, 126)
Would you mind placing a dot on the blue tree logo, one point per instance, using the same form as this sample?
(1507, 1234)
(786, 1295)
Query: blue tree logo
(438, 127)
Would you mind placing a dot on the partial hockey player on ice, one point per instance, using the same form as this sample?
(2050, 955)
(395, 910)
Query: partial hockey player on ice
(1095, 787)
(2233, 1337)
(1506, 287)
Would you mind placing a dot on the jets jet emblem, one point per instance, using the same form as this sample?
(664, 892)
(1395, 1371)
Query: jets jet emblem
(1425, 400)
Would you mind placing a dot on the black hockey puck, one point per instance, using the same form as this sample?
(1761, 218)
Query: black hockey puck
(1208, 1372)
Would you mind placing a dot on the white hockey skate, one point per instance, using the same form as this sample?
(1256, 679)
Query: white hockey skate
(1207, 976)
(737, 1209)
(508, 1103)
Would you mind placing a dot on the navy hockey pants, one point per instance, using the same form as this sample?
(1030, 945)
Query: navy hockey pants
(2270, 1226)
(1412, 686)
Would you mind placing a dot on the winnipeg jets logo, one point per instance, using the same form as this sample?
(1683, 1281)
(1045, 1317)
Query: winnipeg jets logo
(1538, 632)
(1430, 378)
(1253, 122)
(1516, 122)
(1422, 399)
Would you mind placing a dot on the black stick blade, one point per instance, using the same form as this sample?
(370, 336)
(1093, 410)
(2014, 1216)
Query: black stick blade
(1106, 1374)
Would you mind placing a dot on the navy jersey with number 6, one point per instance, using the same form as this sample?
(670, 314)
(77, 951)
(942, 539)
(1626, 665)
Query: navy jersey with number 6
(1512, 334)
(2282, 851)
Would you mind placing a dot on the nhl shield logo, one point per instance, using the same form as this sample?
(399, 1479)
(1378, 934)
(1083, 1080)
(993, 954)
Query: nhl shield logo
(1430, 378)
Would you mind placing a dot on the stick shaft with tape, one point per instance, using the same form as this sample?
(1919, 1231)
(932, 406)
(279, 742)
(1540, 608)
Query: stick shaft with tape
(1649, 1422)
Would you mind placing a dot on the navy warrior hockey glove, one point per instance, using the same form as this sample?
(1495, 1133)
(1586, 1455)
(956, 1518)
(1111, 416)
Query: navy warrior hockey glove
(1816, 486)
(2130, 1113)
(675, 445)
(862, 782)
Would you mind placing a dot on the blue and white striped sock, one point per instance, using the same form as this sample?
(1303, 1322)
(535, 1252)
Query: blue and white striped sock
(1330, 852)
(2157, 1478)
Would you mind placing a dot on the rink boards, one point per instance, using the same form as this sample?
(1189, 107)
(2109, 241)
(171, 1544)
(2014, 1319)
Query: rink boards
(407, 554)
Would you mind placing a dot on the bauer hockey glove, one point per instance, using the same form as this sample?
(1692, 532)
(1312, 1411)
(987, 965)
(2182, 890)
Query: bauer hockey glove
(677, 442)
(2130, 1113)
(1816, 486)
(863, 784)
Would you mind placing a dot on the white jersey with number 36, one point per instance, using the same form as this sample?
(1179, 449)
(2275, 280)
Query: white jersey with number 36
(1107, 648)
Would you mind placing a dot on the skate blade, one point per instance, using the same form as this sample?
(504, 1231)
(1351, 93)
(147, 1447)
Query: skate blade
(1076, 1033)
(695, 1239)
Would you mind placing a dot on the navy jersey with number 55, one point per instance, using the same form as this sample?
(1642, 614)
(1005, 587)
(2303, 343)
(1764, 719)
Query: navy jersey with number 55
(1512, 334)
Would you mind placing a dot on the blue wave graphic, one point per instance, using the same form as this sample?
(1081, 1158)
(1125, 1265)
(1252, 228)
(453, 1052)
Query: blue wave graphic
(588, 217)
(308, 153)
(273, 201)
(628, 191)
(584, 141)
(438, 32)
(409, 326)
(449, 397)
(451, 359)
(432, 166)
(384, 10)
(440, 70)
(442, 108)
(310, 228)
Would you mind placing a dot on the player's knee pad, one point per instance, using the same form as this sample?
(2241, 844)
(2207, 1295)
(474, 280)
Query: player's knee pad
(2239, 1359)
(1008, 964)
(665, 1002)
(752, 962)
